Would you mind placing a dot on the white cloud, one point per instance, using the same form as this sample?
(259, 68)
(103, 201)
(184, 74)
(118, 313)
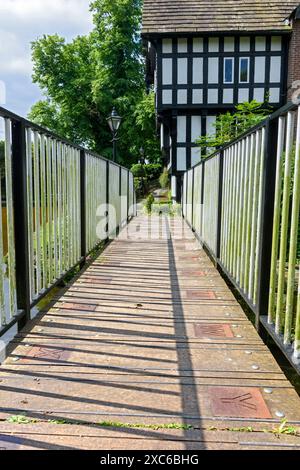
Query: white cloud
(23, 21)
(68, 12)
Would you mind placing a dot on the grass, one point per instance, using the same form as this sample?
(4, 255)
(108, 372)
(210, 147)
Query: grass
(283, 429)
(21, 419)
(116, 424)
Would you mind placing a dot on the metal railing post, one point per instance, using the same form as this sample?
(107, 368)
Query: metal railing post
(107, 199)
(83, 206)
(267, 213)
(202, 200)
(193, 189)
(19, 172)
(120, 195)
(128, 193)
(220, 204)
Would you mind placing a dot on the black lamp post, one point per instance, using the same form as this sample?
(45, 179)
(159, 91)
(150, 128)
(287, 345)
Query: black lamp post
(114, 122)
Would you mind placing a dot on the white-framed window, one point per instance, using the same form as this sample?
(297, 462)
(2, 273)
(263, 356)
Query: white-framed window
(244, 70)
(228, 69)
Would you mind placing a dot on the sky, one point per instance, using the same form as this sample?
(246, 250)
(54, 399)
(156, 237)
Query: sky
(21, 22)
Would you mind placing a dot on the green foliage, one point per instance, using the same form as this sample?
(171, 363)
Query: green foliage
(164, 179)
(153, 170)
(137, 184)
(229, 126)
(82, 81)
(287, 429)
(148, 203)
(156, 427)
(21, 419)
(138, 170)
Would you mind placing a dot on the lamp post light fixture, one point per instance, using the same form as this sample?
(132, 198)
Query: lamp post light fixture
(114, 122)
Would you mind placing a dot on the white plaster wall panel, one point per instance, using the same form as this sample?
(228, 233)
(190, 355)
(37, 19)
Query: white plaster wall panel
(195, 128)
(198, 45)
(182, 71)
(181, 159)
(229, 44)
(260, 43)
(276, 43)
(213, 45)
(259, 69)
(244, 44)
(173, 186)
(182, 97)
(228, 96)
(210, 125)
(213, 70)
(243, 95)
(181, 129)
(213, 96)
(167, 46)
(182, 45)
(259, 94)
(167, 96)
(275, 69)
(167, 73)
(161, 136)
(197, 71)
(197, 96)
(274, 95)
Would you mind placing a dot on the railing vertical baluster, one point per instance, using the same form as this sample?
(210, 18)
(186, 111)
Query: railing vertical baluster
(266, 218)
(202, 200)
(127, 195)
(83, 205)
(220, 204)
(21, 219)
(10, 222)
(290, 290)
(284, 229)
(193, 190)
(107, 198)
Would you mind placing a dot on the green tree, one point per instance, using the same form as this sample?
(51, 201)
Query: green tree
(84, 79)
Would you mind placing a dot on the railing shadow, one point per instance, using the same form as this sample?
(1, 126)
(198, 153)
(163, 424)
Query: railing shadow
(183, 354)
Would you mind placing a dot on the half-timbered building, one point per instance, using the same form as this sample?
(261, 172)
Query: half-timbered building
(203, 58)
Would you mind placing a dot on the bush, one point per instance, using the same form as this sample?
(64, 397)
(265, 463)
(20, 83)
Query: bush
(148, 204)
(164, 179)
(138, 170)
(153, 171)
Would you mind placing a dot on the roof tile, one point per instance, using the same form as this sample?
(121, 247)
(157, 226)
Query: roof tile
(168, 16)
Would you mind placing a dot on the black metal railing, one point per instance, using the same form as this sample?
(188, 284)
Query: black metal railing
(59, 201)
(243, 204)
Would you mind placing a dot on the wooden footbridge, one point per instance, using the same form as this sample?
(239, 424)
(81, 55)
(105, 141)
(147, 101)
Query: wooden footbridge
(147, 347)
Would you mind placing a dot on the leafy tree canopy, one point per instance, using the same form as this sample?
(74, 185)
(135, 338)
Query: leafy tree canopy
(84, 79)
(229, 126)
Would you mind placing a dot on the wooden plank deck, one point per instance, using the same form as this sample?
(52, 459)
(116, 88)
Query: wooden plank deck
(149, 340)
